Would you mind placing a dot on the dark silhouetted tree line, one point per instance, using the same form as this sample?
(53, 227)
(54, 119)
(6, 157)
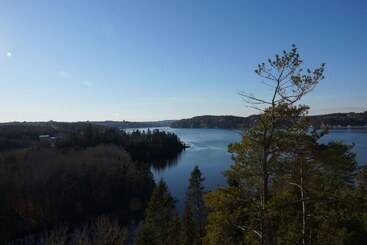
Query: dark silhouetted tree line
(20, 135)
(41, 188)
(90, 171)
(154, 147)
(99, 231)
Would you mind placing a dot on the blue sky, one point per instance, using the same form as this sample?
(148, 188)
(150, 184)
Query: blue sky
(152, 60)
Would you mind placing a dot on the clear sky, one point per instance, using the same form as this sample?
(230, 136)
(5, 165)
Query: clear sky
(151, 60)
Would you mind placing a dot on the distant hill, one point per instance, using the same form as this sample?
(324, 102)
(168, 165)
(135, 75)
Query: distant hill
(350, 119)
(207, 121)
(49, 125)
(127, 124)
(334, 120)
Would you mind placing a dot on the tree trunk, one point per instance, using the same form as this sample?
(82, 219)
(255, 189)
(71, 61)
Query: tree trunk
(265, 219)
(303, 204)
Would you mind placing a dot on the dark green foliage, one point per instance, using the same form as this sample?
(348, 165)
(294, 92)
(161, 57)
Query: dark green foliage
(154, 147)
(17, 136)
(362, 179)
(284, 187)
(227, 214)
(159, 148)
(339, 163)
(103, 230)
(195, 215)
(188, 232)
(320, 176)
(24, 135)
(356, 207)
(161, 224)
(91, 170)
(41, 188)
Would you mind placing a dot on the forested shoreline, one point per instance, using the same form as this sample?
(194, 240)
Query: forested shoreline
(334, 120)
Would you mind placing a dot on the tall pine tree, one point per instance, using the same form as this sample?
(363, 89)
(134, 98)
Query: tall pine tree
(285, 187)
(258, 158)
(195, 214)
(161, 224)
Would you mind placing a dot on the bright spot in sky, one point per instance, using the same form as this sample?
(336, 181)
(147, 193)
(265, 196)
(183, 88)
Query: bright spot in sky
(9, 54)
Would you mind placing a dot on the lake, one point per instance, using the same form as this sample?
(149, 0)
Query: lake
(208, 150)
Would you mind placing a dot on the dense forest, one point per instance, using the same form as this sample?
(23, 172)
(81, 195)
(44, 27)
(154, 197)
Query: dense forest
(149, 146)
(91, 184)
(76, 175)
(334, 120)
(42, 188)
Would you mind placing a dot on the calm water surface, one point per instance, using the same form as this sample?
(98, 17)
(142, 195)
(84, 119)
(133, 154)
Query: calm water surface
(208, 150)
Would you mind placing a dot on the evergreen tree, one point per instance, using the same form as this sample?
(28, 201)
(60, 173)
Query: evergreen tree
(284, 186)
(187, 229)
(161, 224)
(362, 180)
(259, 157)
(195, 215)
(359, 209)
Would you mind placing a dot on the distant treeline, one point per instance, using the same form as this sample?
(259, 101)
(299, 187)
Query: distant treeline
(227, 122)
(23, 135)
(352, 119)
(233, 122)
(151, 146)
(128, 124)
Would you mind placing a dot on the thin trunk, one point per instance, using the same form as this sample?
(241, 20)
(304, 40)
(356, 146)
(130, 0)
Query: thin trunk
(265, 194)
(304, 240)
(268, 140)
(303, 205)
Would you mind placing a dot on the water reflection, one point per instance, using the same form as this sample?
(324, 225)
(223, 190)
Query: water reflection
(164, 164)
